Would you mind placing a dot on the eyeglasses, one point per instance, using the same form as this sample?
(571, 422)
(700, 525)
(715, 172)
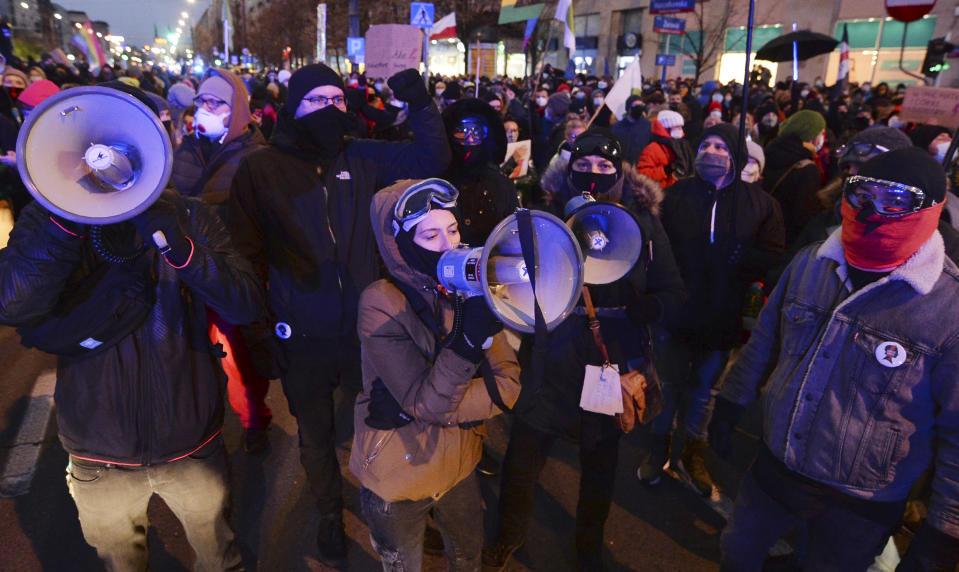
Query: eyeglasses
(210, 103)
(888, 198)
(859, 152)
(417, 201)
(323, 101)
(470, 132)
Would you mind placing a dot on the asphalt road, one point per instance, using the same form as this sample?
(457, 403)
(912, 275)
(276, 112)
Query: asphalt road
(664, 528)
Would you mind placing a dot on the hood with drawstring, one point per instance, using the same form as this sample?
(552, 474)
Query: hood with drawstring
(495, 143)
(635, 191)
(240, 116)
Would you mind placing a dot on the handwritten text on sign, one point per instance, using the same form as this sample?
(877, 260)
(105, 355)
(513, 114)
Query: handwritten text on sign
(933, 105)
(392, 48)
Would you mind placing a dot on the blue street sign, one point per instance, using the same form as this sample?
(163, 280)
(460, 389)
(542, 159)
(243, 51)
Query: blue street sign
(667, 25)
(671, 6)
(355, 47)
(665, 59)
(421, 14)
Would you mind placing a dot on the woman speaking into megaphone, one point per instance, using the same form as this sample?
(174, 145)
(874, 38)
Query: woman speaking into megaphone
(430, 365)
(644, 289)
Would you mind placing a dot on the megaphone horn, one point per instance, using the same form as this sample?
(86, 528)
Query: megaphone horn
(94, 155)
(610, 238)
(498, 272)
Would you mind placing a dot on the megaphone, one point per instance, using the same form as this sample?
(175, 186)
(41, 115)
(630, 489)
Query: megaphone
(94, 155)
(608, 235)
(498, 272)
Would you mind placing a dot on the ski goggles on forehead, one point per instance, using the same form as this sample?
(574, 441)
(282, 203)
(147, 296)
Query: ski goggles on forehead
(419, 199)
(859, 152)
(888, 198)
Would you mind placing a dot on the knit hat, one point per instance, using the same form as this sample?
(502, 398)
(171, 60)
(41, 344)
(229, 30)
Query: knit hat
(38, 91)
(159, 102)
(923, 135)
(452, 92)
(558, 104)
(17, 73)
(910, 166)
(755, 151)
(805, 124)
(714, 106)
(134, 91)
(132, 82)
(577, 106)
(217, 87)
(598, 141)
(889, 138)
(180, 96)
(308, 78)
(669, 119)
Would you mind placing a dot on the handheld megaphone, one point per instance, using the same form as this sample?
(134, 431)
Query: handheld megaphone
(498, 272)
(94, 155)
(609, 236)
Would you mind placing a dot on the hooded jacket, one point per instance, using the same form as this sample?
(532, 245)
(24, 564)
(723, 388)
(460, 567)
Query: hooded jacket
(555, 409)
(157, 395)
(210, 178)
(723, 240)
(796, 191)
(306, 228)
(446, 397)
(634, 135)
(665, 159)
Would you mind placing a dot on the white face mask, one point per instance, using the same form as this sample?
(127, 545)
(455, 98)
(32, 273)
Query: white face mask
(804, 93)
(716, 114)
(820, 141)
(894, 121)
(676, 132)
(210, 125)
(439, 92)
(598, 101)
(750, 172)
(541, 101)
(718, 97)
(602, 85)
(941, 149)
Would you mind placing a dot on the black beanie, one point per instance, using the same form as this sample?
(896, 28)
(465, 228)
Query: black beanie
(134, 91)
(308, 78)
(597, 141)
(923, 135)
(910, 166)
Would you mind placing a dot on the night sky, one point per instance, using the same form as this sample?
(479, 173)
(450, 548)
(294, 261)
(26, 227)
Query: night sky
(134, 19)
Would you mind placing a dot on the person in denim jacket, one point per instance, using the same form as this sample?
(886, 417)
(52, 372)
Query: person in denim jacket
(861, 336)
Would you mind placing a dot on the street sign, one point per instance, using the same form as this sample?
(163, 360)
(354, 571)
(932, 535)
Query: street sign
(672, 6)
(909, 10)
(355, 47)
(667, 25)
(421, 14)
(665, 59)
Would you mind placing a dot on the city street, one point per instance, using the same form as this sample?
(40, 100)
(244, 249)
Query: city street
(666, 528)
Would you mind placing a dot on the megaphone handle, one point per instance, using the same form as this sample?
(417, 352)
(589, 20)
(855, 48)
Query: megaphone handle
(160, 240)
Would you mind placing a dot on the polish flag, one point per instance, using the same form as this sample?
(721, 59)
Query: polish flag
(444, 28)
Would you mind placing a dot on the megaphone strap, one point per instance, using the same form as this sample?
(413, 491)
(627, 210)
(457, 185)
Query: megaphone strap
(524, 224)
(594, 326)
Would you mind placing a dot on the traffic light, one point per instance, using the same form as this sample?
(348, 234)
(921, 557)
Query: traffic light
(935, 61)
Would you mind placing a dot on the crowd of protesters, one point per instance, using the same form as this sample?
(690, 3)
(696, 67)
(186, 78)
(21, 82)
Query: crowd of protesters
(321, 204)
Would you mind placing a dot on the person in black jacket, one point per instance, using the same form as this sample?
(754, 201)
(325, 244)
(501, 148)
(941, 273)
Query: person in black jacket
(478, 144)
(634, 130)
(725, 234)
(300, 212)
(141, 416)
(652, 291)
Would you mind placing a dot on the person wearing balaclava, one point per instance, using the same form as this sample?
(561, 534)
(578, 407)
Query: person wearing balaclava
(855, 356)
(650, 292)
(422, 350)
(725, 235)
(299, 210)
(204, 165)
(478, 143)
(634, 130)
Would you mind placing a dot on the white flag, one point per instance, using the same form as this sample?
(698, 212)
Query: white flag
(631, 82)
(564, 13)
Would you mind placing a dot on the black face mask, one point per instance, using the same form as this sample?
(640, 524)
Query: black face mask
(417, 257)
(862, 123)
(636, 111)
(711, 166)
(593, 183)
(674, 106)
(323, 130)
(471, 157)
(13, 92)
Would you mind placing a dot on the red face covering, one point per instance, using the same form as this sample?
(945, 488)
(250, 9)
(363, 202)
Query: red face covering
(891, 243)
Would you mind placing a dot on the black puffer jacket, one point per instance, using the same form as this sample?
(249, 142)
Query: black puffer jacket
(158, 394)
(308, 232)
(796, 191)
(555, 409)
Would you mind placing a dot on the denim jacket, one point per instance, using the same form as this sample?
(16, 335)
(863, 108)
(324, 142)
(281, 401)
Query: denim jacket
(863, 393)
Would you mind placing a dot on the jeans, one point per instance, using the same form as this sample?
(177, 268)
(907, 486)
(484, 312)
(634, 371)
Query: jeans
(397, 528)
(843, 533)
(112, 504)
(308, 382)
(525, 458)
(246, 388)
(693, 371)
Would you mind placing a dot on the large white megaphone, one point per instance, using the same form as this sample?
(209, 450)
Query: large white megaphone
(608, 235)
(498, 272)
(94, 155)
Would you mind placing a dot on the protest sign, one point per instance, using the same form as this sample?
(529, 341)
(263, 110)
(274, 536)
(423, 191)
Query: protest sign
(392, 48)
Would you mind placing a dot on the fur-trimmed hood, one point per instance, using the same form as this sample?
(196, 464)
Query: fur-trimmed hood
(637, 192)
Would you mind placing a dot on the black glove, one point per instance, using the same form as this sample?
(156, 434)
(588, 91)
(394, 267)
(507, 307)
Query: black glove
(408, 86)
(479, 323)
(385, 411)
(931, 549)
(163, 215)
(644, 309)
(355, 99)
(726, 416)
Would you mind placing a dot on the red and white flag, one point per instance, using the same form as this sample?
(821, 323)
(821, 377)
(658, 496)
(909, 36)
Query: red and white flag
(444, 28)
(844, 64)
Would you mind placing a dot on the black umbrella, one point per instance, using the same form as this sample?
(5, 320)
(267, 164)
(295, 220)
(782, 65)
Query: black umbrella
(808, 44)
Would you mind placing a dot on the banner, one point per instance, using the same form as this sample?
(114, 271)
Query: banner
(392, 48)
(629, 83)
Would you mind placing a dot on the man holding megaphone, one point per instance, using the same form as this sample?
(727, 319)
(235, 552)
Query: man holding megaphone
(122, 302)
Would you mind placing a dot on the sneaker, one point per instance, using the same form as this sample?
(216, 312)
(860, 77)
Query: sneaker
(497, 555)
(433, 542)
(694, 462)
(650, 470)
(331, 541)
(256, 441)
